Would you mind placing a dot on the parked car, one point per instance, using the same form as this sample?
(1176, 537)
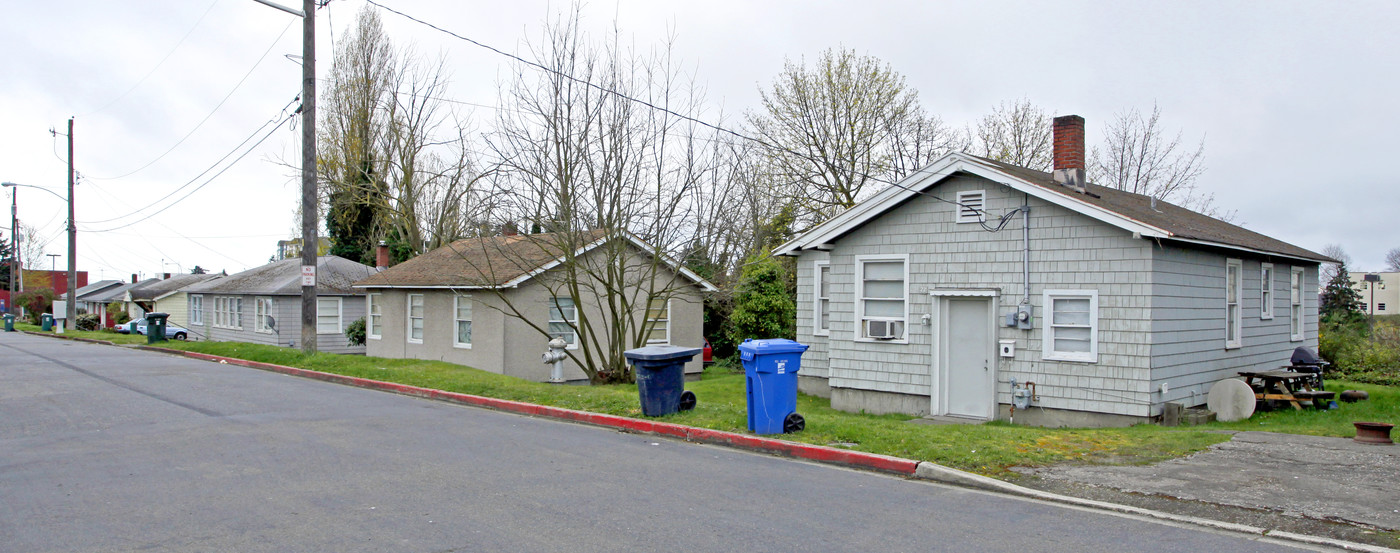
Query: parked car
(709, 354)
(126, 327)
(172, 332)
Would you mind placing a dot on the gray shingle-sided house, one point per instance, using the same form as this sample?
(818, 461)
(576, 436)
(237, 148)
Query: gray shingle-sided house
(910, 299)
(263, 305)
(469, 303)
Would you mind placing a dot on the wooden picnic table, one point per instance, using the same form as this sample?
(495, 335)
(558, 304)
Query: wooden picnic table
(1293, 387)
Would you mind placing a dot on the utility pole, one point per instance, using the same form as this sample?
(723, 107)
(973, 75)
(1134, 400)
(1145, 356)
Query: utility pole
(310, 242)
(14, 246)
(72, 303)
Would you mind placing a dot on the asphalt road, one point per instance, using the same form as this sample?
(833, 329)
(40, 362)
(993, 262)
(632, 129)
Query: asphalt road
(110, 449)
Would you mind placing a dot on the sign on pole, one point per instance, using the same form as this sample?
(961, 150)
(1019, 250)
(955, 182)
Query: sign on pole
(308, 275)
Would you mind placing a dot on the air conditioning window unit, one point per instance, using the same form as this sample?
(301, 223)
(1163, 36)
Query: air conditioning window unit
(882, 330)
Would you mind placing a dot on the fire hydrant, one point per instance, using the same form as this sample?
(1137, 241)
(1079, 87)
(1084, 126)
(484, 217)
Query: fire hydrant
(556, 356)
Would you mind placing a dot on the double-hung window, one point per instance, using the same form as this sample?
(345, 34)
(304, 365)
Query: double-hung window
(659, 318)
(262, 311)
(1295, 304)
(563, 318)
(328, 315)
(463, 321)
(375, 319)
(1072, 326)
(881, 307)
(197, 310)
(821, 309)
(1234, 288)
(228, 312)
(415, 318)
(1266, 291)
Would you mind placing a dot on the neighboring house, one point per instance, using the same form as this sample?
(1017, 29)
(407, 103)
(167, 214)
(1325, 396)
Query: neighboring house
(263, 304)
(167, 296)
(1380, 294)
(86, 293)
(910, 299)
(99, 302)
(469, 303)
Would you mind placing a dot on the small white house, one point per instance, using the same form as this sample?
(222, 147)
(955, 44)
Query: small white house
(944, 293)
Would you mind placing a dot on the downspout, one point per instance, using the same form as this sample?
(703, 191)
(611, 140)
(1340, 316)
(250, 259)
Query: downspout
(1026, 251)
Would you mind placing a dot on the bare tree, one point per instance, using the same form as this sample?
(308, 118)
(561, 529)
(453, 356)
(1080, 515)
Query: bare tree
(838, 124)
(33, 246)
(1136, 156)
(1392, 260)
(1330, 270)
(1018, 133)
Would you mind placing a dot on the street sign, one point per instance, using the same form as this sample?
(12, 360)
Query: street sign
(308, 275)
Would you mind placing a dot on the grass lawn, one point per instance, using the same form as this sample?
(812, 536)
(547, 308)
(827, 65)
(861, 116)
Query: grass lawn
(989, 448)
(105, 335)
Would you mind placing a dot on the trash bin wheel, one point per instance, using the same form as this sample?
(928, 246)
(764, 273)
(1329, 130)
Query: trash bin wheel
(687, 400)
(794, 423)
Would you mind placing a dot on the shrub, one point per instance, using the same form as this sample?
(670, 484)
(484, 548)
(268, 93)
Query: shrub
(89, 322)
(36, 302)
(763, 308)
(355, 332)
(1363, 355)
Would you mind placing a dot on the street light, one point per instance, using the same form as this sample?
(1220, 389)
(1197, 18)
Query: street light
(72, 305)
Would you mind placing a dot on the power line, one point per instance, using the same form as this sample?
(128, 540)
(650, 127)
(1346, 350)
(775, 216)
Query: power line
(211, 112)
(157, 66)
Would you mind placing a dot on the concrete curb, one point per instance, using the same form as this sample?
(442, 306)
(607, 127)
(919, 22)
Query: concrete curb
(856, 459)
(63, 337)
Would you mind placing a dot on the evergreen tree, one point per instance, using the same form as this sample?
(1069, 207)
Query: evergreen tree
(763, 308)
(1341, 304)
(6, 259)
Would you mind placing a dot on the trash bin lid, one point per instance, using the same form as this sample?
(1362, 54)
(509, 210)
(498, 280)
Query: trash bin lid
(660, 353)
(772, 345)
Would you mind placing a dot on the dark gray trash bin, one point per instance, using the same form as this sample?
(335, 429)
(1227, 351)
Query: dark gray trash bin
(660, 374)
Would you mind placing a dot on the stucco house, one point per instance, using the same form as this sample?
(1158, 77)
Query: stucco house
(263, 305)
(939, 294)
(488, 302)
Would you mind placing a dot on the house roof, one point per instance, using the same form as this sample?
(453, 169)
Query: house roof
(334, 276)
(94, 288)
(1135, 213)
(496, 262)
(162, 288)
(118, 293)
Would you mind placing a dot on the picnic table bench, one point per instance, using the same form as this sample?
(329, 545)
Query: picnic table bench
(1292, 387)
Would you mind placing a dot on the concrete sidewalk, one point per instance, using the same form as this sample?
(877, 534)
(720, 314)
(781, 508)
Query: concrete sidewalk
(1312, 477)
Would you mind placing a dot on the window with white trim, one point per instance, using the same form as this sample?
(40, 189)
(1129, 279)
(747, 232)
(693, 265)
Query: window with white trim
(1266, 291)
(415, 318)
(1234, 289)
(462, 321)
(375, 308)
(262, 309)
(1071, 326)
(328, 312)
(659, 317)
(197, 310)
(228, 312)
(821, 309)
(880, 305)
(1295, 304)
(563, 318)
(971, 206)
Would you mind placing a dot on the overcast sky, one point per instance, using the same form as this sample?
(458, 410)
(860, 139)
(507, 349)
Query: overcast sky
(1296, 101)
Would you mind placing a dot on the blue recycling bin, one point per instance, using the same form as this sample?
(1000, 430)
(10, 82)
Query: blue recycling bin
(46, 322)
(660, 374)
(770, 368)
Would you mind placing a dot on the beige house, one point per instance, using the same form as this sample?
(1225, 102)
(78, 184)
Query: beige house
(1380, 292)
(493, 303)
(166, 296)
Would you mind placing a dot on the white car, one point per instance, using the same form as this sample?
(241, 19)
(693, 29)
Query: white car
(172, 332)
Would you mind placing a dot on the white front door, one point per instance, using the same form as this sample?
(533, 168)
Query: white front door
(964, 357)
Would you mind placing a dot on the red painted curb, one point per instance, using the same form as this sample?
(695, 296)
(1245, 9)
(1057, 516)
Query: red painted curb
(858, 459)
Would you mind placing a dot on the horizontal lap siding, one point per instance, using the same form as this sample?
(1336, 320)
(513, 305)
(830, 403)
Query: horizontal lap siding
(1068, 251)
(1189, 320)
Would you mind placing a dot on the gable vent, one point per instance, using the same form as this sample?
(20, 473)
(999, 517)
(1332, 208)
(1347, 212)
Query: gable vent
(971, 205)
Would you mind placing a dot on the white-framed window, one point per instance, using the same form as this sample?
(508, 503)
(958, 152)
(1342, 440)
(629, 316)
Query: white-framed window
(462, 319)
(659, 317)
(373, 323)
(1234, 289)
(971, 206)
(328, 312)
(882, 308)
(262, 309)
(1071, 326)
(1295, 304)
(1266, 291)
(563, 319)
(197, 310)
(821, 308)
(415, 318)
(228, 312)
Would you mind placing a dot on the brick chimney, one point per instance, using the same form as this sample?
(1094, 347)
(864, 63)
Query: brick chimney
(166, 276)
(1069, 152)
(133, 278)
(381, 256)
